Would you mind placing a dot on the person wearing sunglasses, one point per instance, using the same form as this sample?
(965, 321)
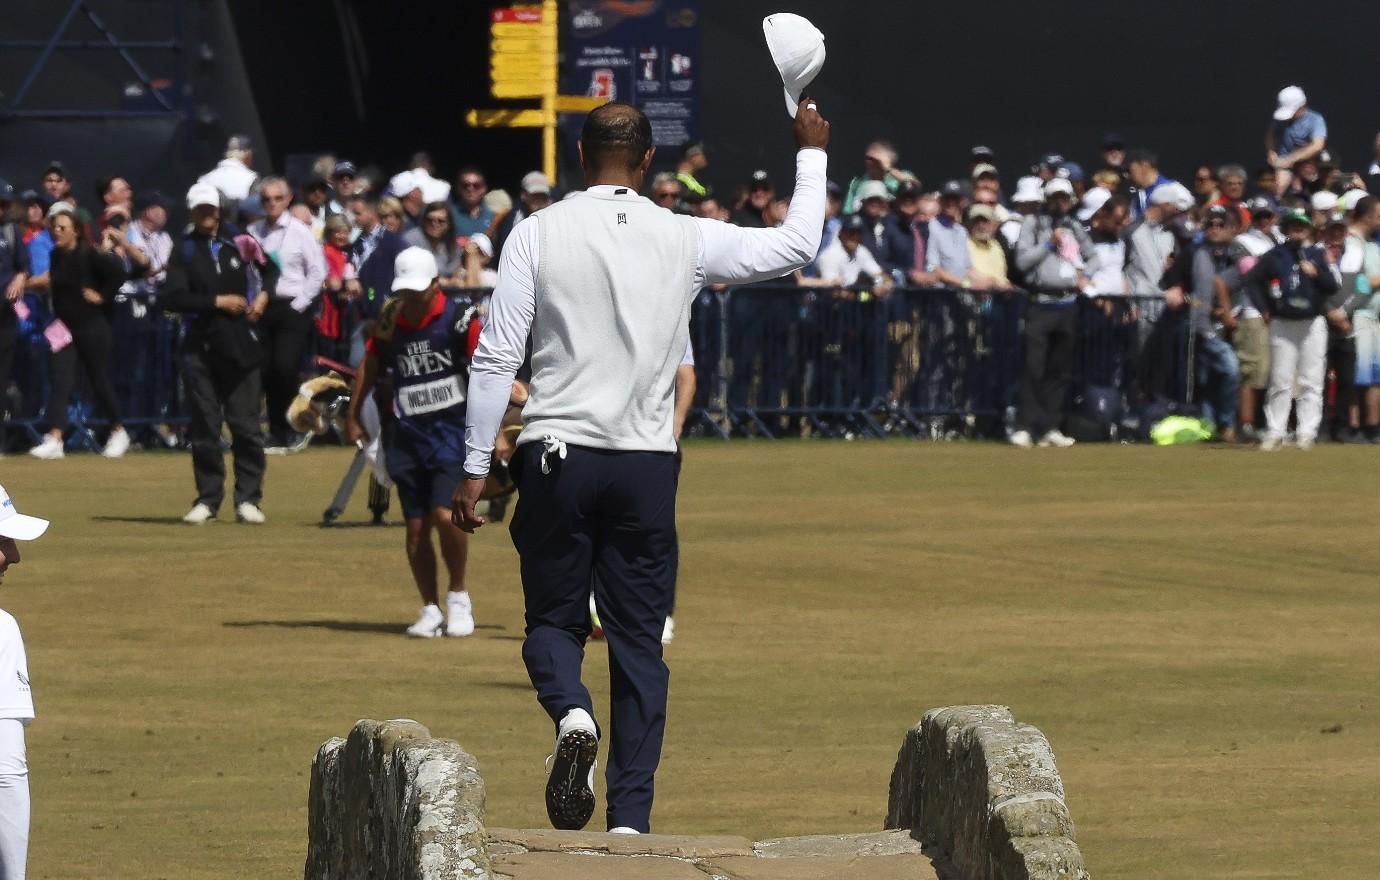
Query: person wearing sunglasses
(456, 263)
(470, 214)
(285, 323)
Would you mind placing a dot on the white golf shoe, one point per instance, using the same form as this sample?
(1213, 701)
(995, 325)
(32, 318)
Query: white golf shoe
(200, 514)
(49, 450)
(1021, 439)
(117, 444)
(246, 512)
(430, 624)
(459, 615)
(570, 779)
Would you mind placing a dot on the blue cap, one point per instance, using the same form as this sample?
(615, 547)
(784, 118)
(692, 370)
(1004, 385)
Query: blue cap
(1070, 171)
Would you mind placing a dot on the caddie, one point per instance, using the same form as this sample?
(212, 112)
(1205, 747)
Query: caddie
(420, 344)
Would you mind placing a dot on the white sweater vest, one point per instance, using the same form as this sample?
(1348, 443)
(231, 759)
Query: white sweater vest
(615, 280)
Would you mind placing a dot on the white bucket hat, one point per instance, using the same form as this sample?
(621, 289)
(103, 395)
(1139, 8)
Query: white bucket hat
(797, 48)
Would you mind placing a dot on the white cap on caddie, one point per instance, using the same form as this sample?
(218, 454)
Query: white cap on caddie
(414, 269)
(797, 48)
(16, 525)
(1291, 98)
(202, 194)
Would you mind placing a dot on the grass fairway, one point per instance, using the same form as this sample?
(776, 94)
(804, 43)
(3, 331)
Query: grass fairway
(1183, 624)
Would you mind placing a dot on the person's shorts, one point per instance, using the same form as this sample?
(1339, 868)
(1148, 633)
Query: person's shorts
(1252, 343)
(1367, 333)
(421, 488)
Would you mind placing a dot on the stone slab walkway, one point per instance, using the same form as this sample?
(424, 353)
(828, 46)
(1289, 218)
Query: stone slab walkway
(582, 855)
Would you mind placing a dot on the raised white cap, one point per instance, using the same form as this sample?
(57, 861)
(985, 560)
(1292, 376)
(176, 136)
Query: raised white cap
(797, 49)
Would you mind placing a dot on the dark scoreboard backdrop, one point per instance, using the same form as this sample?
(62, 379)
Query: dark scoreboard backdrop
(1193, 79)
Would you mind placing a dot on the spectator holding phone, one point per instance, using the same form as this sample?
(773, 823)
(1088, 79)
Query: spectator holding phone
(84, 280)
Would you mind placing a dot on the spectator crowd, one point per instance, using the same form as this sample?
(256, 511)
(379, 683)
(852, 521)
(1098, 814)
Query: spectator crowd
(1269, 269)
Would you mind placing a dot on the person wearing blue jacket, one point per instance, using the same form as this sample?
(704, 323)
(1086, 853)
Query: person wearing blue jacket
(1292, 285)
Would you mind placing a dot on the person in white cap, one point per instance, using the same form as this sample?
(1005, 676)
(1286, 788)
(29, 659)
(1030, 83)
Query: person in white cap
(16, 702)
(1054, 256)
(534, 195)
(1295, 134)
(210, 286)
(420, 344)
(601, 285)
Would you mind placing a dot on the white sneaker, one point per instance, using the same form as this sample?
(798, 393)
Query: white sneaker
(430, 624)
(199, 515)
(117, 444)
(50, 449)
(668, 632)
(1271, 443)
(570, 783)
(623, 829)
(1306, 443)
(1057, 439)
(459, 615)
(1021, 439)
(246, 512)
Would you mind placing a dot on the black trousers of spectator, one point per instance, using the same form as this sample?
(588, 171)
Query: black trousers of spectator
(283, 333)
(606, 521)
(217, 395)
(9, 340)
(91, 341)
(1049, 344)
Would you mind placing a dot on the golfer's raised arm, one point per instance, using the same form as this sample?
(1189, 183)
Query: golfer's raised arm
(732, 254)
(502, 345)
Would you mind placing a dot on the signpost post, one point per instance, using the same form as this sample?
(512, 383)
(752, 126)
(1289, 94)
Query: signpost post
(523, 65)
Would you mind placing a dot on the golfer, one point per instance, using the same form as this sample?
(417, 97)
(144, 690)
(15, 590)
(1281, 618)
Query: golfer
(16, 703)
(602, 283)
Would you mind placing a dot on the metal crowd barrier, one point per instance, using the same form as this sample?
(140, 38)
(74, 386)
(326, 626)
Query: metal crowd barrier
(775, 360)
(771, 360)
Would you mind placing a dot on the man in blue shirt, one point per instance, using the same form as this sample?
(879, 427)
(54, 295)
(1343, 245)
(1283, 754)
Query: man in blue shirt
(1296, 134)
(470, 213)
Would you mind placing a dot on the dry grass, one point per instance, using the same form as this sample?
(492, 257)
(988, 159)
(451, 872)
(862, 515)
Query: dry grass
(1181, 623)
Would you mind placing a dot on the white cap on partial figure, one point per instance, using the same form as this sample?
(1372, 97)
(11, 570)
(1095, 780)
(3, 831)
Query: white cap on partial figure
(202, 194)
(414, 269)
(797, 48)
(16, 525)
(1291, 100)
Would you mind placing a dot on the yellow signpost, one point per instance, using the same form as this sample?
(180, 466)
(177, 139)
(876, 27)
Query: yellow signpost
(522, 65)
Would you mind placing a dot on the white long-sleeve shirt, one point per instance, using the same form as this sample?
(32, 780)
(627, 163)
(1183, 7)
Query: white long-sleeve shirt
(725, 254)
(289, 243)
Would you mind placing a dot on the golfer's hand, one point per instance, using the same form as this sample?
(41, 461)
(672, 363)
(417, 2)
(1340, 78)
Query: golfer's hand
(462, 505)
(811, 129)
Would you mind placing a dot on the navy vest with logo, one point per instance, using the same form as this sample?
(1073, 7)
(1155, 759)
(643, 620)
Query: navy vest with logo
(430, 372)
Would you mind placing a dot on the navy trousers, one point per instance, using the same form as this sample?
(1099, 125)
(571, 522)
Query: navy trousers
(601, 521)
